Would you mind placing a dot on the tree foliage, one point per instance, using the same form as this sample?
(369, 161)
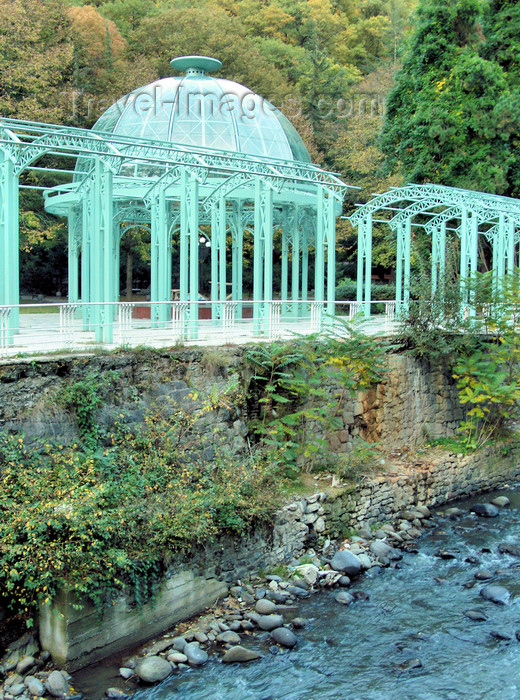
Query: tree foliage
(454, 114)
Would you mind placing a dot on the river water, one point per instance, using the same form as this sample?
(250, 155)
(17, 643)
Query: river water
(414, 612)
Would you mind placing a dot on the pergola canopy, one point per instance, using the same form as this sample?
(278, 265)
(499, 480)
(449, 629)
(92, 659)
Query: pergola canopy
(173, 156)
(469, 214)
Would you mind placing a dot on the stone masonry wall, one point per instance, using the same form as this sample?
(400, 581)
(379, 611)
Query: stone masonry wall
(413, 402)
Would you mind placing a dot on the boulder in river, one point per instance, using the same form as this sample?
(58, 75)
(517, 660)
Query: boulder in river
(476, 615)
(380, 549)
(485, 510)
(228, 637)
(284, 637)
(496, 594)
(500, 635)
(344, 597)
(238, 654)
(153, 669)
(454, 512)
(346, 562)
(265, 607)
(299, 622)
(269, 622)
(509, 548)
(196, 655)
(483, 575)
(34, 686)
(56, 685)
(501, 501)
(410, 665)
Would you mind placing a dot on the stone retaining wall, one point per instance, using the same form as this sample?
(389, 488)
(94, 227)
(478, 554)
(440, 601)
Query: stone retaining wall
(76, 638)
(412, 403)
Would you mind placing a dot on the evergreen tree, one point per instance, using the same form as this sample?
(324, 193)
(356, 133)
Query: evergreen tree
(502, 37)
(451, 117)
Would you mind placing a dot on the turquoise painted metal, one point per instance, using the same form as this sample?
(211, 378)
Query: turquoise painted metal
(177, 155)
(471, 214)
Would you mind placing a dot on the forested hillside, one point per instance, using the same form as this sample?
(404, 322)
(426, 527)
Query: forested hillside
(327, 64)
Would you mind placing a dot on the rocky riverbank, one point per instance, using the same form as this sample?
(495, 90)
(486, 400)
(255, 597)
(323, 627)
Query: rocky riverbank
(266, 606)
(262, 607)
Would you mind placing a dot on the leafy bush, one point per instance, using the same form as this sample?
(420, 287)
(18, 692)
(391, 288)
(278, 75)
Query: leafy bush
(300, 388)
(93, 522)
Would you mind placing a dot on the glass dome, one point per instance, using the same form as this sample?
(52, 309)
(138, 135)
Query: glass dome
(199, 110)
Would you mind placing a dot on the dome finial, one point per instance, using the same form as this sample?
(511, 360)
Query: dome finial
(196, 65)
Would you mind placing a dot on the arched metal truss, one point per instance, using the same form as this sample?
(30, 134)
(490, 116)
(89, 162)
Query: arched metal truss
(471, 214)
(117, 181)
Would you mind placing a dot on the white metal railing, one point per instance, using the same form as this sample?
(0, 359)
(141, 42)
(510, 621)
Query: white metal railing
(67, 314)
(275, 312)
(5, 312)
(52, 327)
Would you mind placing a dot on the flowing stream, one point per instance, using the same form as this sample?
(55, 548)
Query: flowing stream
(414, 612)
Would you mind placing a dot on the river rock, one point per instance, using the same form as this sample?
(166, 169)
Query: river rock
(153, 669)
(344, 581)
(13, 680)
(277, 596)
(410, 664)
(34, 686)
(25, 664)
(476, 615)
(346, 562)
(56, 685)
(126, 673)
(298, 592)
(178, 643)
(270, 622)
(380, 549)
(344, 597)
(483, 575)
(159, 646)
(496, 594)
(115, 693)
(485, 510)
(454, 512)
(365, 533)
(16, 690)
(176, 657)
(509, 548)
(308, 572)
(228, 637)
(196, 655)
(265, 607)
(238, 654)
(285, 637)
(299, 622)
(365, 560)
(501, 501)
(501, 636)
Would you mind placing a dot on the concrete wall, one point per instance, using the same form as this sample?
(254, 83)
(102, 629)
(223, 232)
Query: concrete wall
(76, 638)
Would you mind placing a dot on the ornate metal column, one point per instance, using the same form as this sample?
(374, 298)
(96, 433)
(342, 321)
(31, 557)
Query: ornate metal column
(160, 288)
(438, 255)
(218, 255)
(263, 253)
(189, 247)
(74, 243)
(9, 241)
(364, 262)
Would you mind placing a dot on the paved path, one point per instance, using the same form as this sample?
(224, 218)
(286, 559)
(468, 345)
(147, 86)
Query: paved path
(42, 333)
